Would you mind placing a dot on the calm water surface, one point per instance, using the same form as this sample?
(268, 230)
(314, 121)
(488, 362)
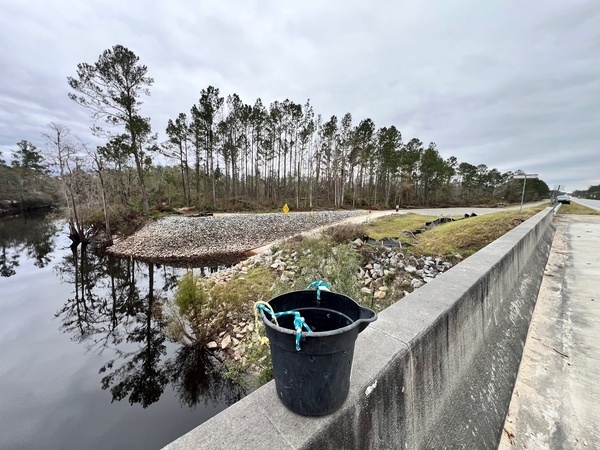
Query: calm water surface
(84, 362)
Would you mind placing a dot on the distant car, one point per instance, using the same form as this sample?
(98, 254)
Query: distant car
(564, 199)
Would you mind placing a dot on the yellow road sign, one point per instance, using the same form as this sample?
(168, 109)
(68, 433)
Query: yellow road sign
(286, 209)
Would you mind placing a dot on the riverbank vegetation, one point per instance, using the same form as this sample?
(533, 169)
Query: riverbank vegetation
(466, 236)
(25, 184)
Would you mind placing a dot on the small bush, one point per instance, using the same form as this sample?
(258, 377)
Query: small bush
(266, 369)
(342, 234)
(196, 314)
(321, 259)
(190, 297)
(257, 358)
(201, 309)
(243, 290)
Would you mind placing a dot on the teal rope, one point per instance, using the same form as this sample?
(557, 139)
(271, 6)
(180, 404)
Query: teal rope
(299, 322)
(318, 285)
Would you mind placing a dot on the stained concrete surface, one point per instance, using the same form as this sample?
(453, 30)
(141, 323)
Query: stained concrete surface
(555, 402)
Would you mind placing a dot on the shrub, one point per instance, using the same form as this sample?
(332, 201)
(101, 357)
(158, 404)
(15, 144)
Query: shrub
(193, 313)
(342, 234)
(321, 259)
(201, 309)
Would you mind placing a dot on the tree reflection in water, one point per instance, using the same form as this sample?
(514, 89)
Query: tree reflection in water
(115, 306)
(196, 376)
(25, 235)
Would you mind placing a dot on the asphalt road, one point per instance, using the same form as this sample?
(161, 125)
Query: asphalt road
(556, 396)
(595, 204)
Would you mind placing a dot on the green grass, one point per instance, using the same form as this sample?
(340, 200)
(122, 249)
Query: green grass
(461, 237)
(576, 208)
(392, 226)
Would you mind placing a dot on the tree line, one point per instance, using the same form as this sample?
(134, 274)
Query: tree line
(592, 192)
(225, 154)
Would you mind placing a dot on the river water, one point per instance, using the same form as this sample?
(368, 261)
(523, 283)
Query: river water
(84, 361)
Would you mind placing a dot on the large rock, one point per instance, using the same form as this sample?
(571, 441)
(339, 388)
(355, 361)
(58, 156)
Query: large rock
(226, 342)
(410, 269)
(415, 283)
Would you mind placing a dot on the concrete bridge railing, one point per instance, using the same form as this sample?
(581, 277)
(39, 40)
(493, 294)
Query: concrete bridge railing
(436, 370)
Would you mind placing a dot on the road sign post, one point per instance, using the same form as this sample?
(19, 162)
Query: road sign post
(524, 177)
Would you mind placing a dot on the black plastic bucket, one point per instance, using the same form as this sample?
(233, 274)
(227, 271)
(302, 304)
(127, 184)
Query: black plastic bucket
(315, 380)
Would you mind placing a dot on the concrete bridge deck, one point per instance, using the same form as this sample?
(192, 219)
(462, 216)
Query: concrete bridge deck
(556, 396)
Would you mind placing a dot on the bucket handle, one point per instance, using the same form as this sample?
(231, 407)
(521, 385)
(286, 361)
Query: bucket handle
(299, 322)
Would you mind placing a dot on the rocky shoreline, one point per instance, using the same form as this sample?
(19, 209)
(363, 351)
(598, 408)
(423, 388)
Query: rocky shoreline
(221, 239)
(387, 276)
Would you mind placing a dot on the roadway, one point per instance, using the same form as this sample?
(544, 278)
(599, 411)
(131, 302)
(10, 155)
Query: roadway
(594, 204)
(557, 392)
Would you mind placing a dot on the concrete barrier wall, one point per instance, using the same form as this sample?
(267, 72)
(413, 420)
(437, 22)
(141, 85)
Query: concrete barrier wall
(436, 370)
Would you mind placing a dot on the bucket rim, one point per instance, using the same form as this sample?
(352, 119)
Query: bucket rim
(309, 291)
(317, 334)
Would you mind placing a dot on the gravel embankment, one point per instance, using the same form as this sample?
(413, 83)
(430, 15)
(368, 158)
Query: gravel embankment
(218, 238)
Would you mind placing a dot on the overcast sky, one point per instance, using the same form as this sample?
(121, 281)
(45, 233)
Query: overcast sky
(510, 84)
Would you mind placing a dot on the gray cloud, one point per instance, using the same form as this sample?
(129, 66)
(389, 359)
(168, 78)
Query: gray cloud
(512, 85)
